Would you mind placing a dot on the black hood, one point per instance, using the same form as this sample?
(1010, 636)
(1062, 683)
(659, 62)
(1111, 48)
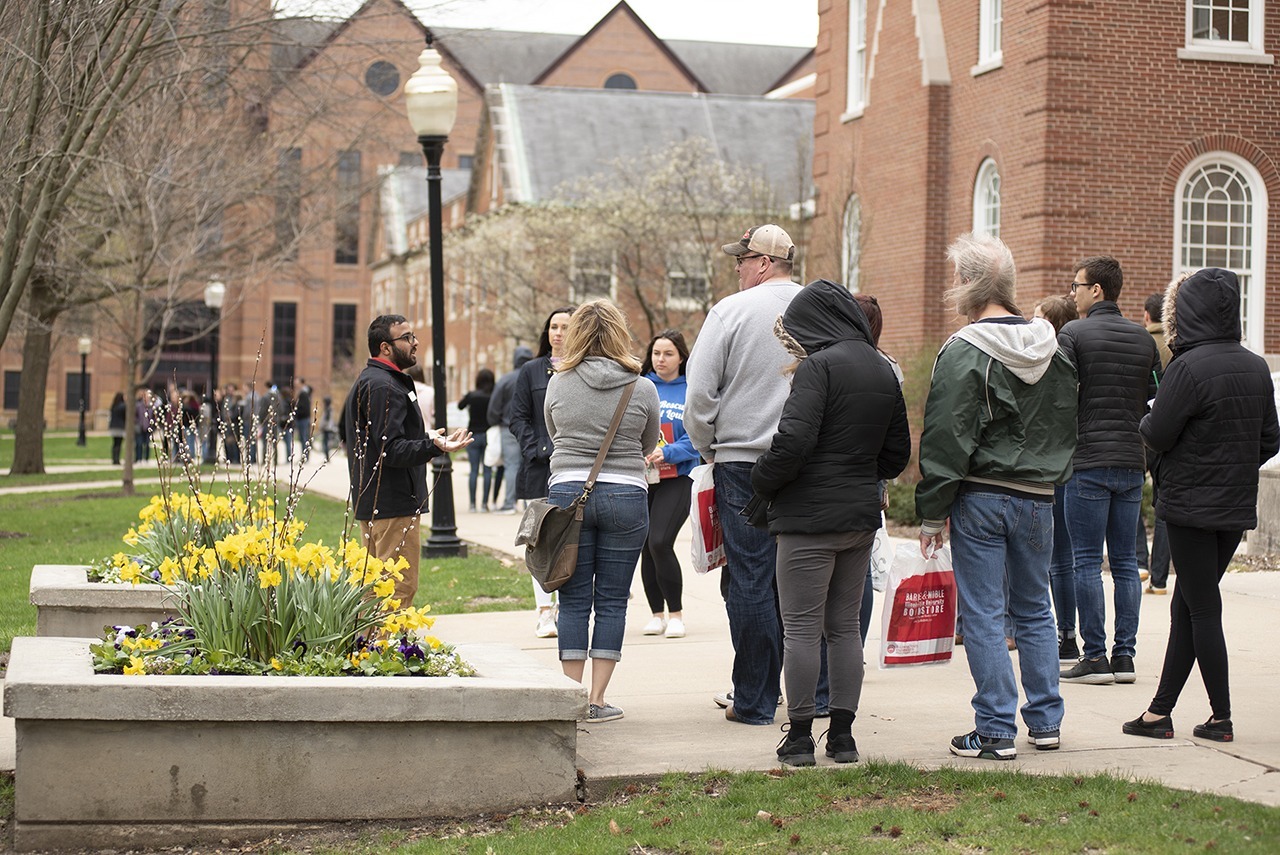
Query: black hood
(824, 313)
(1202, 308)
(522, 355)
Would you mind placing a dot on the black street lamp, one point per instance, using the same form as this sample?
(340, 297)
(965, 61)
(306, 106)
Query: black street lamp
(214, 293)
(431, 97)
(84, 346)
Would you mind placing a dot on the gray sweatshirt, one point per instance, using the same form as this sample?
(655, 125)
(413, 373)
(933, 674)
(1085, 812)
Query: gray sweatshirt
(579, 406)
(736, 381)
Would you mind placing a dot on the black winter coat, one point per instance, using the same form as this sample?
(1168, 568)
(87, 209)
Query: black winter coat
(1214, 418)
(528, 424)
(843, 427)
(1119, 366)
(387, 444)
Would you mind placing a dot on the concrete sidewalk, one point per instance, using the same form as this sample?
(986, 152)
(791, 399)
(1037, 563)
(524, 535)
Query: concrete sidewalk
(909, 715)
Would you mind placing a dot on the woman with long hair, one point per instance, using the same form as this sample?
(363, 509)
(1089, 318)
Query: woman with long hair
(668, 470)
(477, 401)
(529, 427)
(581, 399)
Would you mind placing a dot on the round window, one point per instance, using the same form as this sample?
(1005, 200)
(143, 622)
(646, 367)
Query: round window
(382, 78)
(620, 81)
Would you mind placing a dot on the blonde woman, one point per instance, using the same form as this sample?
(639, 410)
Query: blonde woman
(589, 381)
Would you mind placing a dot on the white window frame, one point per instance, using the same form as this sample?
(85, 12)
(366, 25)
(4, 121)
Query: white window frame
(851, 244)
(1253, 295)
(986, 199)
(856, 93)
(1247, 50)
(587, 264)
(990, 37)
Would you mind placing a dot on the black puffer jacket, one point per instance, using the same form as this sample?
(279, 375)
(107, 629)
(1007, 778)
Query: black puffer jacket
(528, 424)
(1214, 418)
(843, 427)
(1117, 362)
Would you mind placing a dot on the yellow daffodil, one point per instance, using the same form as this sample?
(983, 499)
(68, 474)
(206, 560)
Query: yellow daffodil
(268, 578)
(136, 666)
(275, 664)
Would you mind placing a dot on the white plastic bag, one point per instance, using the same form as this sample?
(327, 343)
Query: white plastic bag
(918, 624)
(881, 555)
(708, 536)
(493, 447)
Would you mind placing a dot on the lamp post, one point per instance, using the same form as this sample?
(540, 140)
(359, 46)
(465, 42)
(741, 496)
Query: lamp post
(214, 293)
(431, 97)
(84, 346)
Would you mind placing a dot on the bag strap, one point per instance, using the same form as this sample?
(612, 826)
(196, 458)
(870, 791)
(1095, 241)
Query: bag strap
(608, 441)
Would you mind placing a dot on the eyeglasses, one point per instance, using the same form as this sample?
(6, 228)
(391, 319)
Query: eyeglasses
(409, 337)
(1075, 285)
(742, 258)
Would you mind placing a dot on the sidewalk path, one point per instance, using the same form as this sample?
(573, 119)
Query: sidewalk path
(907, 715)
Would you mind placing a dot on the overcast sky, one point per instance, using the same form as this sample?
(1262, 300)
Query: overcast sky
(748, 21)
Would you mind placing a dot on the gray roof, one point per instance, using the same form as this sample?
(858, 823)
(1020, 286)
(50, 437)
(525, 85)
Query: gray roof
(410, 186)
(552, 136)
(503, 56)
(733, 69)
(294, 39)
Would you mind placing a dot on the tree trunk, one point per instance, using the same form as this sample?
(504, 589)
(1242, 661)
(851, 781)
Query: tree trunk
(28, 435)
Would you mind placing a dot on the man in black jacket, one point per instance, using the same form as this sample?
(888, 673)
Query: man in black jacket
(1119, 370)
(388, 447)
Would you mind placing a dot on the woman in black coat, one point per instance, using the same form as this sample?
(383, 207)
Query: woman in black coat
(843, 428)
(1213, 422)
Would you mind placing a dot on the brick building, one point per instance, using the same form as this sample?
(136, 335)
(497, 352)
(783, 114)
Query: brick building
(1145, 130)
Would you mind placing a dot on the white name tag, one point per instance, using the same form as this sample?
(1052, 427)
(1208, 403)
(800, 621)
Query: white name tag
(413, 396)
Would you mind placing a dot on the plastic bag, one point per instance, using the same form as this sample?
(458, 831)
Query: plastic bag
(918, 626)
(880, 557)
(708, 536)
(493, 446)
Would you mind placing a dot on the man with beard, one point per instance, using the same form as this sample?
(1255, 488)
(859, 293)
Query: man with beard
(388, 446)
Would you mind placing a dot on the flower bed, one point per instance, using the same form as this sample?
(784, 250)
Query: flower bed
(68, 604)
(115, 760)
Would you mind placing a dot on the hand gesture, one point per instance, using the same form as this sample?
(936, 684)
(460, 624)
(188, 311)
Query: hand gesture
(655, 457)
(460, 438)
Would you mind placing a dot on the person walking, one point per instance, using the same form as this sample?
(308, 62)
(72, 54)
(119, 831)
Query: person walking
(1213, 423)
(476, 402)
(668, 471)
(736, 389)
(525, 417)
(999, 433)
(499, 405)
(843, 429)
(581, 399)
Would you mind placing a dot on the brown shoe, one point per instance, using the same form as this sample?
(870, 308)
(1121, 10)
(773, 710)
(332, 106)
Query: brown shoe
(1152, 589)
(729, 714)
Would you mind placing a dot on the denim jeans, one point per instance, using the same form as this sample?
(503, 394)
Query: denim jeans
(614, 526)
(751, 600)
(994, 538)
(511, 459)
(1104, 503)
(475, 461)
(1062, 573)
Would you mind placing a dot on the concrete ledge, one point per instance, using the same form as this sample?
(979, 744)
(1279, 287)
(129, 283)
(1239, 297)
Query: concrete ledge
(68, 604)
(161, 761)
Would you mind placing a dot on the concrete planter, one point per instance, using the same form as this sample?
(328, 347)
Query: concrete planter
(68, 604)
(128, 761)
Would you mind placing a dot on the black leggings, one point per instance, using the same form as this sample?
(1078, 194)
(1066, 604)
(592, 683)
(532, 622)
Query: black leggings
(1195, 624)
(659, 567)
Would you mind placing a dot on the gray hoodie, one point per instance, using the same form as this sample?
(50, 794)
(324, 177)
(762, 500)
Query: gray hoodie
(580, 404)
(1025, 349)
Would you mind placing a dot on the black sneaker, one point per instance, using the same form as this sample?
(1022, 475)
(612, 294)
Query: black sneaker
(842, 748)
(1068, 651)
(1161, 728)
(973, 744)
(1218, 731)
(1048, 740)
(796, 749)
(1095, 672)
(1122, 667)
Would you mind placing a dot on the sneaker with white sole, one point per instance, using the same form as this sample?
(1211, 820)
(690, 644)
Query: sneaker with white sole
(546, 627)
(1092, 672)
(1050, 740)
(675, 628)
(723, 699)
(656, 626)
(973, 744)
(605, 712)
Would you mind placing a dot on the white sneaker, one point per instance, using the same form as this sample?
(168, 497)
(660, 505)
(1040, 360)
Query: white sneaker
(675, 628)
(546, 624)
(655, 626)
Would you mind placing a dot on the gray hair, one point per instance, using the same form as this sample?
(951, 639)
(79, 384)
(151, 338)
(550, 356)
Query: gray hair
(985, 274)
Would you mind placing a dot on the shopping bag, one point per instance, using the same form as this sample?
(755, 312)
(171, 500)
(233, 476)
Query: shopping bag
(881, 555)
(493, 446)
(708, 536)
(918, 625)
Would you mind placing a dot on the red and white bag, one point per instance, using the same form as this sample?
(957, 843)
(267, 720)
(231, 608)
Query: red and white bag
(918, 626)
(708, 536)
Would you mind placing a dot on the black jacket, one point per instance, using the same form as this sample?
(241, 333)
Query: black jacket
(387, 444)
(1118, 366)
(528, 424)
(1214, 418)
(843, 427)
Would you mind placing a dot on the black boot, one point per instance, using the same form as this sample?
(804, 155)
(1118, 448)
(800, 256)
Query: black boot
(841, 746)
(796, 748)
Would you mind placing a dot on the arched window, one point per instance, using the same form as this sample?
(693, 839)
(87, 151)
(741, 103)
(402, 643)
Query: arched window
(620, 81)
(851, 243)
(986, 199)
(1220, 220)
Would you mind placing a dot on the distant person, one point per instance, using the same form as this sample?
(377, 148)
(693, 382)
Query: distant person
(231, 413)
(592, 370)
(499, 406)
(1156, 563)
(271, 417)
(115, 426)
(328, 428)
(476, 402)
(143, 426)
(302, 416)
(670, 488)
(525, 417)
(1213, 423)
(999, 434)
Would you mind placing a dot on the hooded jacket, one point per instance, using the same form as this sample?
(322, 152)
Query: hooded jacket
(580, 405)
(505, 386)
(526, 422)
(843, 426)
(1001, 413)
(1214, 419)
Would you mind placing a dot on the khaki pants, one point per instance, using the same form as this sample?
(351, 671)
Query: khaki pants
(388, 539)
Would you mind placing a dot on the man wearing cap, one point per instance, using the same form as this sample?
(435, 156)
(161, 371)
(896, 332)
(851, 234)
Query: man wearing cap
(736, 390)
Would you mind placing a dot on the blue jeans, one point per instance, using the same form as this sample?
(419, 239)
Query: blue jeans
(1104, 503)
(751, 600)
(1062, 574)
(303, 426)
(614, 527)
(475, 459)
(999, 540)
(511, 459)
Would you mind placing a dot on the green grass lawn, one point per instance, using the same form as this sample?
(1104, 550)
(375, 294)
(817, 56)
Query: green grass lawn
(61, 448)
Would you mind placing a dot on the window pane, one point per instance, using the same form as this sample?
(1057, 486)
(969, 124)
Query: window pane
(289, 201)
(284, 342)
(74, 393)
(346, 246)
(11, 380)
(344, 335)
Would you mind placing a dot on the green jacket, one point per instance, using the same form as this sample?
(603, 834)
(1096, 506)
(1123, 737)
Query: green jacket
(983, 424)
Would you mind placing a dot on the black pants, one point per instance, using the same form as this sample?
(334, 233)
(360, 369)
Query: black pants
(116, 443)
(1195, 625)
(659, 567)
